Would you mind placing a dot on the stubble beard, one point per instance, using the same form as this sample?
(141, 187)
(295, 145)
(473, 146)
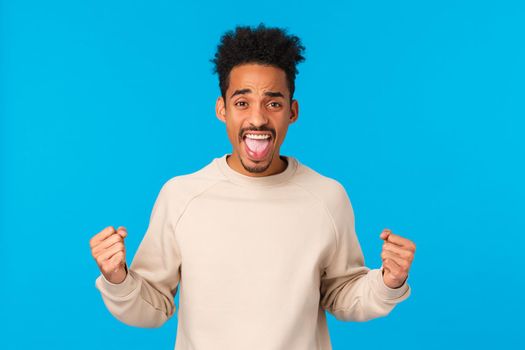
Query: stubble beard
(257, 169)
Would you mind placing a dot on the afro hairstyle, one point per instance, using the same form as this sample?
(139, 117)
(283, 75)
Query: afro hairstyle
(261, 45)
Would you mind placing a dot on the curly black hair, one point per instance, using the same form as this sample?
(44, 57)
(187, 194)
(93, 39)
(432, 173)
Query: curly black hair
(262, 45)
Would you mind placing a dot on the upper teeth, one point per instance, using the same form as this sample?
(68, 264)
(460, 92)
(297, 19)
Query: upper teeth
(258, 136)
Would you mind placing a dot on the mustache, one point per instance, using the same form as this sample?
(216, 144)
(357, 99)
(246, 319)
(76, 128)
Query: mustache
(261, 128)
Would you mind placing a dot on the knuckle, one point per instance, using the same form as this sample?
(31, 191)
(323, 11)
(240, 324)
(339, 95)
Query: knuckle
(111, 243)
(93, 242)
(112, 238)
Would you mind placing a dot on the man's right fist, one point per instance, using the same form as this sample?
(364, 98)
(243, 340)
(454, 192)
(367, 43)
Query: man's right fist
(107, 248)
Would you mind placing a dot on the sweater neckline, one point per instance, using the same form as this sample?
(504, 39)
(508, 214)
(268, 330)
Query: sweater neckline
(246, 180)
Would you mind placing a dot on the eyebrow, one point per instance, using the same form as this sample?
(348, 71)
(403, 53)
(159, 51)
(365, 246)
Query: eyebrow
(267, 93)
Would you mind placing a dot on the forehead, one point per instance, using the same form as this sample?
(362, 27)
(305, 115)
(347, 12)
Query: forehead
(258, 77)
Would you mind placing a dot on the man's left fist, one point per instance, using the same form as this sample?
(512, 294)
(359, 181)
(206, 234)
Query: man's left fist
(397, 256)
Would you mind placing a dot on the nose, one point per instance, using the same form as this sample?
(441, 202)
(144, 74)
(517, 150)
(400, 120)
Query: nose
(258, 116)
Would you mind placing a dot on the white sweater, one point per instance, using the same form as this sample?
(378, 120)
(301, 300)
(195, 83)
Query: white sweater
(257, 261)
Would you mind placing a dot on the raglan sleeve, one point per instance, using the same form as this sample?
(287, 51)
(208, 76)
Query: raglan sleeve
(146, 296)
(349, 290)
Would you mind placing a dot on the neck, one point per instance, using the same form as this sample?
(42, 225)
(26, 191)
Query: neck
(278, 165)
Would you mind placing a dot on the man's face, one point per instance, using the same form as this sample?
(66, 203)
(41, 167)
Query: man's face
(257, 112)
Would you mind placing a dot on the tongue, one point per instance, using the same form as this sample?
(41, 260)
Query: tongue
(257, 147)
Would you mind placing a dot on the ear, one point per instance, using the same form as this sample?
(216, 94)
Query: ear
(220, 109)
(294, 111)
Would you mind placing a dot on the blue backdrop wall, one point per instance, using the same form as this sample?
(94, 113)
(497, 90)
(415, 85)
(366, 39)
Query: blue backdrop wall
(416, 107)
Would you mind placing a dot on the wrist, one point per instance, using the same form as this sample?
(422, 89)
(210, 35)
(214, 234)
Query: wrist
(389, 283)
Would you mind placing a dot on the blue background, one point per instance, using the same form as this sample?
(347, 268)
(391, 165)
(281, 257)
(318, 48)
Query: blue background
(416, 107)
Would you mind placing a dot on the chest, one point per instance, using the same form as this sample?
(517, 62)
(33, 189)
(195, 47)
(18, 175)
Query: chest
(275, 238)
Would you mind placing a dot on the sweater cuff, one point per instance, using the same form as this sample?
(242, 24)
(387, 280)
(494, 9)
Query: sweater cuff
(121, 289)
(384, 291)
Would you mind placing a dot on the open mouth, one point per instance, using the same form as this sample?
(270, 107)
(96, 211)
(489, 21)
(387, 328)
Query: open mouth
(257, 144)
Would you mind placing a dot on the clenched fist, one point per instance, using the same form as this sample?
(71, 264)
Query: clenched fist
(397, 255)
(107, 248)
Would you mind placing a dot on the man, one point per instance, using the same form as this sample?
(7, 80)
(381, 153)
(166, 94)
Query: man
(261, 244)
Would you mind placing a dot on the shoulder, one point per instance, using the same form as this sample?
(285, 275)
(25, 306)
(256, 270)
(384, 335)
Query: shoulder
(180, 189)
(324, 187)
(327, 190)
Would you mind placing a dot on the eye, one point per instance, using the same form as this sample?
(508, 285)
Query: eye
(275, 104)
(241, 103)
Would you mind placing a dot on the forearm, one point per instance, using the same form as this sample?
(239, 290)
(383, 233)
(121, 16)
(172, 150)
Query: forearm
(366, 297)
(135, 302)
